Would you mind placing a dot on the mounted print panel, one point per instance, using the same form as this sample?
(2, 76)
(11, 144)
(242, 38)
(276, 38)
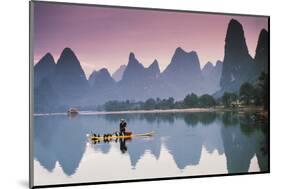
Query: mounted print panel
(121, 94)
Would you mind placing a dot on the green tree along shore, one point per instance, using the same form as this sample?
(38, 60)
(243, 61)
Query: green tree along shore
(248, 94)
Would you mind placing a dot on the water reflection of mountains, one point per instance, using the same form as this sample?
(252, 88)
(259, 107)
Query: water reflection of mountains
(239, 136)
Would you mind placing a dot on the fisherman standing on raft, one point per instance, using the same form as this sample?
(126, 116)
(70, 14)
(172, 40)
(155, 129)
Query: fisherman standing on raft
(122, 127)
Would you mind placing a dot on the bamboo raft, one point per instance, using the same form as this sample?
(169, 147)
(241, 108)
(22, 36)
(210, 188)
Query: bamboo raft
(114, 137)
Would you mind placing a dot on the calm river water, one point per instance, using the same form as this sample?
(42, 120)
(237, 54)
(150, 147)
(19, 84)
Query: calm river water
(184, 144)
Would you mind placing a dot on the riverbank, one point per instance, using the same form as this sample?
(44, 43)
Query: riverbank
(216, 109)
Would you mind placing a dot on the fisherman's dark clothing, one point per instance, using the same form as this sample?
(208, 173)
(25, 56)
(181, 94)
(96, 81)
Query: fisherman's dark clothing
(123, 126)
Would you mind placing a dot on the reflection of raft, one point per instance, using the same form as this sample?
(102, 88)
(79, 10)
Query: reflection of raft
(113, 137)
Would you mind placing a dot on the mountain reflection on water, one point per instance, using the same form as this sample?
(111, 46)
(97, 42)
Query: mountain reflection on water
(237, 136)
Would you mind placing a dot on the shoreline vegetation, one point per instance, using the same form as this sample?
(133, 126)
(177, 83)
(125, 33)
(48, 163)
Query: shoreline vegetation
(249, 97)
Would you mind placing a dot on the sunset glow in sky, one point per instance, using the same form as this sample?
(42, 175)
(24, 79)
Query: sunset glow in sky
(104, 37)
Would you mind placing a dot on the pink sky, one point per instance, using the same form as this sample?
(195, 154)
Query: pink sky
(104, 37)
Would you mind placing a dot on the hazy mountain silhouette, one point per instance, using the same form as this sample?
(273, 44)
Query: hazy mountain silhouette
(138, 82)
(153, 71)
(102, 86)
(134, 70)
(118, 74)
(181, 62)
(183, 75)
(45, 67)
(46, 99)
(238, 65)
(261, 57)
(207, 69)
(212, 75)
(69, 78)
(101, 79)
(92, 78)
(65, 81)
(63, 85)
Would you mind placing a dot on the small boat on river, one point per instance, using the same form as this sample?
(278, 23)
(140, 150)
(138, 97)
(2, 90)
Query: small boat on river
(72, 112)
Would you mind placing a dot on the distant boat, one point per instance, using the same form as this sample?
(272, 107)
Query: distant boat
(72, 112)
